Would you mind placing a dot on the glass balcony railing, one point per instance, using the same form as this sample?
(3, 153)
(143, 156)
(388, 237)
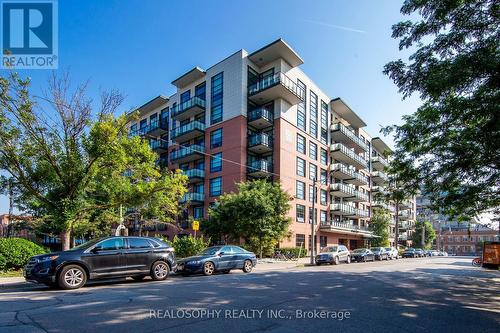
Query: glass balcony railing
(193, 197)
(191, 126)
(343, 225)
(260, 166)
(158, 144)
(192, 102)
(381, 175)
(186, 151)
(195, 173)
(381, 160)
(349, 210)
(349, 172)
(338, 187)
(260, 113)
(260, 139)
(351, 154)
(277, 78)
(350, 134)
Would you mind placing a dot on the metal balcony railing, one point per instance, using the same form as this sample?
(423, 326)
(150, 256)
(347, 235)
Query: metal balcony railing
(351, 154)
(350, 134)
(277, 78)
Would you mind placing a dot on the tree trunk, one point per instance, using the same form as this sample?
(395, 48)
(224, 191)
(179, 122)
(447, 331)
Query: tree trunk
(65, 239)
(261, 247)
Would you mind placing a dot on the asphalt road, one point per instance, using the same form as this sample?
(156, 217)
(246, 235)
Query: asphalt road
(408, 295)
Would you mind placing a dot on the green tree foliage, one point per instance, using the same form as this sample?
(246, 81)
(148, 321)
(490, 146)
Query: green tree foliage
(15, 252)
(429, 235)
(257, 213)
(451, 144)
(189, 246)
(75, 166)
(379, 224)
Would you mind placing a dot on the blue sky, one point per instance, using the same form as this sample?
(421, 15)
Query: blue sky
(139, 47)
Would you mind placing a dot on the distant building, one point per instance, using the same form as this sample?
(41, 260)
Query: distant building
(19, 226)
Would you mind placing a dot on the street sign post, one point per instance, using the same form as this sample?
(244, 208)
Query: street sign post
(196, 227)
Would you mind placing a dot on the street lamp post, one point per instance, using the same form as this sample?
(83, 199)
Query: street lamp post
(313, 236)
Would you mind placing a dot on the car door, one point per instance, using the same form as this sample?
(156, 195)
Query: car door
(225, 257)
(239, 257)
(343, 253)
(106, 257)
(138, 254)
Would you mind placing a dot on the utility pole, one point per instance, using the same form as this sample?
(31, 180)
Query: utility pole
(423, 234)
(313, 236)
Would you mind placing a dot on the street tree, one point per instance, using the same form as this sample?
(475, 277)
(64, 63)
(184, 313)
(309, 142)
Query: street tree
(379, 224)
(429, 234)
(257, 212)
(451, 144)
(72, 160)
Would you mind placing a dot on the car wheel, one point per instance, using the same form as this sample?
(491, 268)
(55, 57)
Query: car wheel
(247, 266)
(336, 261)
(364, 259)
(160, 271)
(138, 278)
(208, 268)
(348, 259)
(72, 277)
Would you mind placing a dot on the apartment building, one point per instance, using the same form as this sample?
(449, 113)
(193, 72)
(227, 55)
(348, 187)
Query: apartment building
(258, 115)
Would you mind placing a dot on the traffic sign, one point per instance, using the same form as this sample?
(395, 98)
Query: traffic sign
(196, 225)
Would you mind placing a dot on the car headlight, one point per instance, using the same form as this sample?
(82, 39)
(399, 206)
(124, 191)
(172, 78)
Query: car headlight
(194, 262)
(49, 258)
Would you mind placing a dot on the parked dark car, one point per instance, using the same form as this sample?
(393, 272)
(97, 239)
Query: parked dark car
(107, 257)
(410, 253)
(333, 255)
(420, 253)
(218, 258)
(380, 253)
(362, 255)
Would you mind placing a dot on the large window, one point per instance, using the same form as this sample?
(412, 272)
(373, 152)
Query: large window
(301, 144)
(312, 195)
(313, 111)
(216, 98)
(216, 138)
(300, 192)
(215, 186)
(198, 212)
(300, 240)
(301, 167)
(301, 109)
(324, 115)
(200, 91)
(323, 197)
(313, 150)
(185, 96)
(216, 162)
(301, 213)
(323, 156)
(322, 239)
(313, 172)
(323, 177)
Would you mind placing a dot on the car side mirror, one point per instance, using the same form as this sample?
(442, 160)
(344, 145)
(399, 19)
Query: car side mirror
(221, 253)
(96, 249)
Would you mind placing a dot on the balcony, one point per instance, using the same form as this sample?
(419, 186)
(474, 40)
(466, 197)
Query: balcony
(343, 154)
(379, 190)
(403, 236)
(358, 197)
(379, 178)
(349, 211)
(158, 145)
(380, 204)
(341, 190)
(260, 168)
(157, 127)
(195, 175)
(341, 133)
(379, 163)
(190, 108)
(195, 199)
(276, 86)
(405, 204)
(260, 143)
(344, 227)
(404, 215)
(260, 118)
(187, 154)
(188, 131)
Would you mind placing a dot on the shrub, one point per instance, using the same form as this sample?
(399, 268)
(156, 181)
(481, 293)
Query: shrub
(295, 251)
(189, 246)
(17, 251)
(3, 262)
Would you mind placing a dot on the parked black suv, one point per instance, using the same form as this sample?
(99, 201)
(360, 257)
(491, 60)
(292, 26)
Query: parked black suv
(102, 258)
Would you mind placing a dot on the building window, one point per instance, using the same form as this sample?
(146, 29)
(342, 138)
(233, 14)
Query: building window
(312, 194)
(323, 177)
(216, 162)
(301, 167)
(300, 240)
(322, 240)
(301, 144)
(215, 186)
(300, 190)
(313, 150)
(313, 111)
(133, 130)
(324, 136)
(313, 172)
(216, 98)
(216, 138)
(185, 96)
(200, 91)
(323, 156)
(301, 213)
(301, 109)
(324, 115)
(198, 212)
(323, 198)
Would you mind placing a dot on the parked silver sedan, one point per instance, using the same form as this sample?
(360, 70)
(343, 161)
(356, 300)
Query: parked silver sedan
(333, 255)
(392, 253)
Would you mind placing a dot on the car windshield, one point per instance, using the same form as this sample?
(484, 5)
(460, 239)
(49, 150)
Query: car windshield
(410, 249)
(211, 250)
(330, 249)
(359, 250)
(375, 248)
(86, 244)
(388, 249)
